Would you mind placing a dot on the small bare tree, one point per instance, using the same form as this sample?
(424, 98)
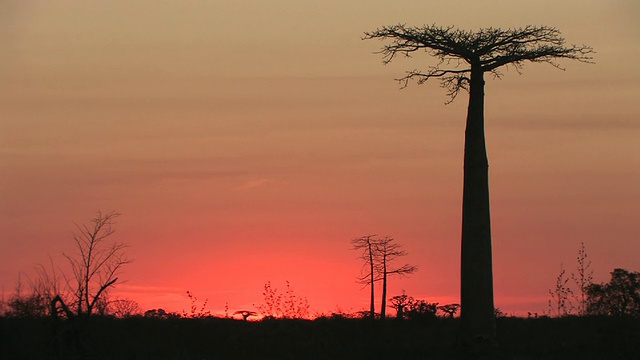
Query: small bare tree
(378, 254)
(388, 250)
(124, 308)
(366, 246)
(96, 264)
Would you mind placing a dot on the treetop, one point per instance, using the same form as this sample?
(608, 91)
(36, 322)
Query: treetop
(486, 50)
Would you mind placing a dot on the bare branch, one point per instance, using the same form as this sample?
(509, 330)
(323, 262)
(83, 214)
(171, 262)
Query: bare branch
(489, 48)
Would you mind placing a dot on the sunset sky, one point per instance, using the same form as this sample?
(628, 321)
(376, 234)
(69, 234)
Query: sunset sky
(247, 141)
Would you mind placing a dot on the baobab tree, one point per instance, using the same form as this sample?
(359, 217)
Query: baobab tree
(378, 254)
(401, 302)
(449, 309)
(245, 314)
(387, 250)
(463, 59)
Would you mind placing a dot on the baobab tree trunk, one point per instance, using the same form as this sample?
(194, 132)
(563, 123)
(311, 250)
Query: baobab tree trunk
(372, 308)
(476, 292)
(383, 307)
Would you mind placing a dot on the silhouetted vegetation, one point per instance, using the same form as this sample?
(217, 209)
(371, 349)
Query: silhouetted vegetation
(283, 306)
(449, 309)
(367, 277)
(378, 254)
(609, 330)
(560, 303)
(415, 309)
(123, 308)
(619, 297)
(583, 280)
(95, 266)
(159, 338)
(196, 311)
(387, 251)
(463, 59)
(400, 303)
(245, 314)
(83, 289)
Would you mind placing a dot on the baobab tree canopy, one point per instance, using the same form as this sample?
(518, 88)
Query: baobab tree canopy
(458, 51)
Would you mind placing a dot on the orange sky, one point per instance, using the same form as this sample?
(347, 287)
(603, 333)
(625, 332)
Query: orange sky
(249, 141)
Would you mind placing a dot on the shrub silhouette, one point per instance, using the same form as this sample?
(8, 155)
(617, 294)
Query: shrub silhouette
(422, 310)
(619, 297)
(287, 305)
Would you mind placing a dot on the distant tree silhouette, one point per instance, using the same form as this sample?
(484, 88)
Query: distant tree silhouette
(365, 245)
(161, 314)
(123, 308)
(422, 310)
(388, 250)
(400, 303)
(245, 314)
(378, 254)
(619, 297)
(463, 59)
(449, 309)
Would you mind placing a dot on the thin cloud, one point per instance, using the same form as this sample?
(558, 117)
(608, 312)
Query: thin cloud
(253, 184)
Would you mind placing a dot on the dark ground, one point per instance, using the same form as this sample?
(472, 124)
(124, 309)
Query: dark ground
(148, 338)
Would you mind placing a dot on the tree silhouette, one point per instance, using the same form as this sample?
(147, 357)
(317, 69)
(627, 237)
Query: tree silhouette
(386, 251)
(449, 309)
(422, 310)
(366, 245)
(463, 59)
(124, 308)
(245, 314)
(400, 303)
(96, 265)
(377, 254)
(619, 297)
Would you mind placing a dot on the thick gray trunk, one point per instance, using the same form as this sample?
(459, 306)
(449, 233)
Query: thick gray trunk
(476, 291)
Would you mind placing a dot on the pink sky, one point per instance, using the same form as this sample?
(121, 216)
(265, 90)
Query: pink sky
(248, 141)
